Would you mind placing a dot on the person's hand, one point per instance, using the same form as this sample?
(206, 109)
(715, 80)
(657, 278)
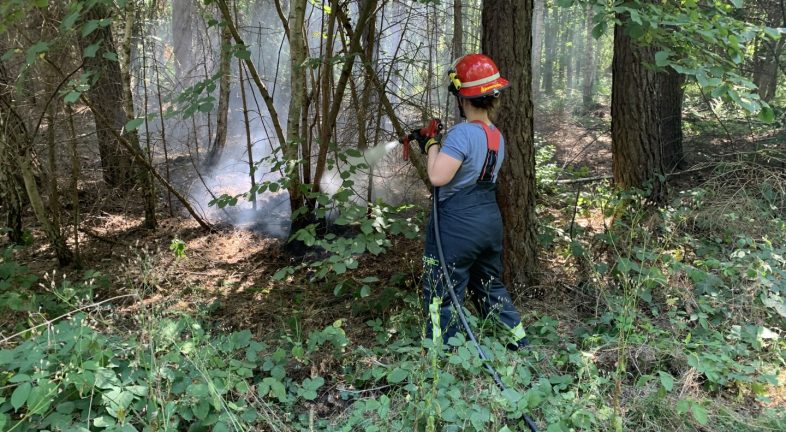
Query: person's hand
(425, 142)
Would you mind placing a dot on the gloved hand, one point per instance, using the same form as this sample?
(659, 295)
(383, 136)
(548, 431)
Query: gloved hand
(425, 142)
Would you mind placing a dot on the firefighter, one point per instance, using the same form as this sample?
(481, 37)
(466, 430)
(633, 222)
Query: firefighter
(464, 167)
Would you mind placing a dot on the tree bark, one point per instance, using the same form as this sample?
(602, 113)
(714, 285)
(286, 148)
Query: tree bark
(297, 82)
(105, 92)
(636, 146)
(507, 38)
(766, 69)
(224, 70)
(16, 145)
(670, 100)
(457, 45)
(182, 18)
(11, 195)
(146, 181)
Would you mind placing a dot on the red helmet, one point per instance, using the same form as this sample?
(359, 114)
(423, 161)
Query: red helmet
(474, 76)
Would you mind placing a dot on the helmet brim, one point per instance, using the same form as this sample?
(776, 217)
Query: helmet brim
(483, 90)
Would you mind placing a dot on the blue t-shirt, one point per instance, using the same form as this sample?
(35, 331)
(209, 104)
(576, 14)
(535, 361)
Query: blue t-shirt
(467, 142)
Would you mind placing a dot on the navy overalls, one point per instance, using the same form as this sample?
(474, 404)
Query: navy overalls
(471, 233)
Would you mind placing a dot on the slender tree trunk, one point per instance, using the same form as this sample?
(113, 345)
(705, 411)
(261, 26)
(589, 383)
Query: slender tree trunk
(224, 70)
(365, 103)
(53, 195)
(551, 40)
(637, 159)
(364, 18)
(75, 172)
(145, 180)
(537, 42)
(11, 194)
(107, 96)
(297, 83)
(562, 45)
(457, 46)
(329, 98)
(15, 144)
(588, 80)
(162, 125)
(507, 38)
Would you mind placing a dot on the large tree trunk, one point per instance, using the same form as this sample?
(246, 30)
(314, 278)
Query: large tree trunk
(106, 95)
(670, 99)
(507, 38)
(537, 42)
(767, 54)
(589, 62)
(636, 146)
(766, 69)
(182, 18)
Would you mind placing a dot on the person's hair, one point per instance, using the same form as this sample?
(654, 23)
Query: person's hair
(488, 103)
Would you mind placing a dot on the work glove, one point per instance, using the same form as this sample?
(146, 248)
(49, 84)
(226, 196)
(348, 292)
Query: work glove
(425, 142)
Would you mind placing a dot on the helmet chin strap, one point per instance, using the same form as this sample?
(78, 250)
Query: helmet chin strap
(461, 107)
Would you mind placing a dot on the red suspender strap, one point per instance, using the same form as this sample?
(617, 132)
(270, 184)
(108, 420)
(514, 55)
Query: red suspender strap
(493, 136)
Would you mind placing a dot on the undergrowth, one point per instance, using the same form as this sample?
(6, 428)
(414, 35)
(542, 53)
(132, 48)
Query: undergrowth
(672, 320)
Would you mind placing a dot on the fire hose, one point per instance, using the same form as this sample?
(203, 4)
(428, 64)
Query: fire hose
(434, 127)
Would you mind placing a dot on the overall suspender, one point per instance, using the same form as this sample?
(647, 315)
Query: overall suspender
(493, 138)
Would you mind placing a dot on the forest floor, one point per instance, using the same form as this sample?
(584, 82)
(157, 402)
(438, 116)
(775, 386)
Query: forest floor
(225, 277)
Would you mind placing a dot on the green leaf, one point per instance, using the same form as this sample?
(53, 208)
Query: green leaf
(104, 422)
(71, 97)
(365, 291)
(737, 3)
(699, 413)
(134, 124)
(666, 380)
(599, 29)
(767, 115)
(20, 394)
(19, 378)
(90, 51)
(397, 375)
(89, 27)
(40, 398)
(662, 58)
(243, 54)
(65, 407)
(109, 56)
(340, 268)
(69, 21)
(34, 51)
